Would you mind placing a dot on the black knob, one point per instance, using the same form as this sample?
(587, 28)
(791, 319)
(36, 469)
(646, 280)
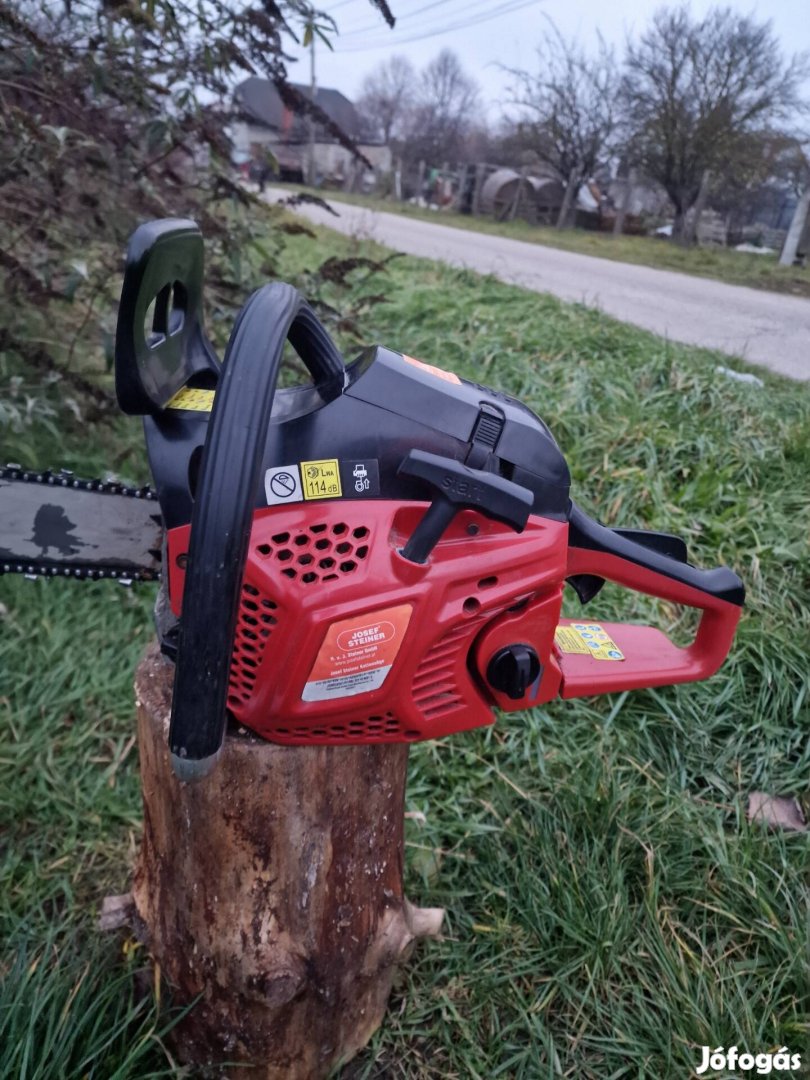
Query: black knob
(513, 669)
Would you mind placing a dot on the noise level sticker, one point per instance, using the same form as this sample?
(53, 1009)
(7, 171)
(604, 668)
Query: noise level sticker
(357, 654)
(321, 479)
(192, 400)
(588, 639)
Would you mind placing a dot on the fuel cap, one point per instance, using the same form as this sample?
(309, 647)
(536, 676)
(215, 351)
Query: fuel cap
(513, 669)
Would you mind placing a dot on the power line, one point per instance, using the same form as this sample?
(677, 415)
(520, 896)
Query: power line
(342, 3)
(437, 29)
(400, 18)
(509, 8)
(353, 31)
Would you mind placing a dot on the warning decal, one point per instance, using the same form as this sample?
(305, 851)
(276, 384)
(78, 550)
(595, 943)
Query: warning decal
(360, 479)
(321, 479)
(357, 654)
(192, 400)
(282, 485)
(440, 373)
(588, 639)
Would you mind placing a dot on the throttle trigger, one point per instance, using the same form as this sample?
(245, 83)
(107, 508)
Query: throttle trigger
(586, 586)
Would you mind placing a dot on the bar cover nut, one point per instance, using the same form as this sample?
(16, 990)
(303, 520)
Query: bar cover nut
(513, 669)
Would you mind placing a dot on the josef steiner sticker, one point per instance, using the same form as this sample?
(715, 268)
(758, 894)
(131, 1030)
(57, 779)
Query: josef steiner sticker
(357, 654)
(283, 485)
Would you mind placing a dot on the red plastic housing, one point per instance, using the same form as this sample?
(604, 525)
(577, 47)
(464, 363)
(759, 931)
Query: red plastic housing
(651, 658)
(341, 640)
(310, 567)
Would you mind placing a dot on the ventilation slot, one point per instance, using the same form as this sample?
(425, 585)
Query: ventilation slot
(258, 615)
(382, 728)
(320, 553)
(434, 687)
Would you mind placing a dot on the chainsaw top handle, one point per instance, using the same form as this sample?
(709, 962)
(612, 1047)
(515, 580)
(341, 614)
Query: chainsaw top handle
(223, 510)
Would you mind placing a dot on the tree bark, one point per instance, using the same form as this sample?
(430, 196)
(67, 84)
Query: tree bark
(480, 172)
(518, 194)
(678, 224)
(624, 205)
(420, 181)
(571, 189)
(272, 891)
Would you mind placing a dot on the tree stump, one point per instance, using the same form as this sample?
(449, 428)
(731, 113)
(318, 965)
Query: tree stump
(272, 889)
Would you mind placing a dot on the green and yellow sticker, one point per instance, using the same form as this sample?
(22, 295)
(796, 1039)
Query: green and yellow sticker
(587, 639)
(192, 400)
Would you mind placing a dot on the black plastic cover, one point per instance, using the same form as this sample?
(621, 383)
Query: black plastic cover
(164, 265)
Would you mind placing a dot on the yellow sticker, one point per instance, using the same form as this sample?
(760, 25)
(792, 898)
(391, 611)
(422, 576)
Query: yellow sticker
(587, 639)
(192, 400)
(321, 479)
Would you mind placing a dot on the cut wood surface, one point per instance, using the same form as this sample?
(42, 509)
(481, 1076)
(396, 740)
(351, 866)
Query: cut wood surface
(272, 892)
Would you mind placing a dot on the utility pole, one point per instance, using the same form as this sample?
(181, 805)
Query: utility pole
(691, 228)
(311, 177)
(794, 233)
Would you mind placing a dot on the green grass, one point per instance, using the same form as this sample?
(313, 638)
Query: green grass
(609, 909)
(69, 1008)
(722, 264)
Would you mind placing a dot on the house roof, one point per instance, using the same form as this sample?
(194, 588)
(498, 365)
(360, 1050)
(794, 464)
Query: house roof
(258, 100)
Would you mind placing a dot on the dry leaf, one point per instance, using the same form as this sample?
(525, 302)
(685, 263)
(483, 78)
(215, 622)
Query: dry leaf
(776, 811)
(116, 912)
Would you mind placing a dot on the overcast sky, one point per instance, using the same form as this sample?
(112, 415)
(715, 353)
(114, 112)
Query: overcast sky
(486, 33)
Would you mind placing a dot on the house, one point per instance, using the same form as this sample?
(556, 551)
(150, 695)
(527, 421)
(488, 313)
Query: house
(264, 122)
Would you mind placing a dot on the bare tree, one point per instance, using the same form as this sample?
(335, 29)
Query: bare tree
(446, 107)
(569, 114)
(387, 97)
(694, 90)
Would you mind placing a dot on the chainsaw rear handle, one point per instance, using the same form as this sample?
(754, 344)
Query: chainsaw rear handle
(223, 510)
(160, 343)
(155, 357)
(600, 552)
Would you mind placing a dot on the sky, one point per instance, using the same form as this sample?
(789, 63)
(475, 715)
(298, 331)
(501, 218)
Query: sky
(488, 34)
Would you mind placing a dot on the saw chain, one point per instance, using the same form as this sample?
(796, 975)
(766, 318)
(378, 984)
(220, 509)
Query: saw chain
(83, 569)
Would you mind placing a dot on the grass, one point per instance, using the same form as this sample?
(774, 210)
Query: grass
(69, 1009)
(609, 908)
(722, 264)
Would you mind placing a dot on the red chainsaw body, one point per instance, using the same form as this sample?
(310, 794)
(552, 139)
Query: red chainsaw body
(336, 568)
(341, 640)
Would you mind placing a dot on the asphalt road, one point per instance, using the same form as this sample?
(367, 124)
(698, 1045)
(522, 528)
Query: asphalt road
(762, 327)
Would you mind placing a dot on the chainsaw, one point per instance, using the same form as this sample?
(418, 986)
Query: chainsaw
(376, 556)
